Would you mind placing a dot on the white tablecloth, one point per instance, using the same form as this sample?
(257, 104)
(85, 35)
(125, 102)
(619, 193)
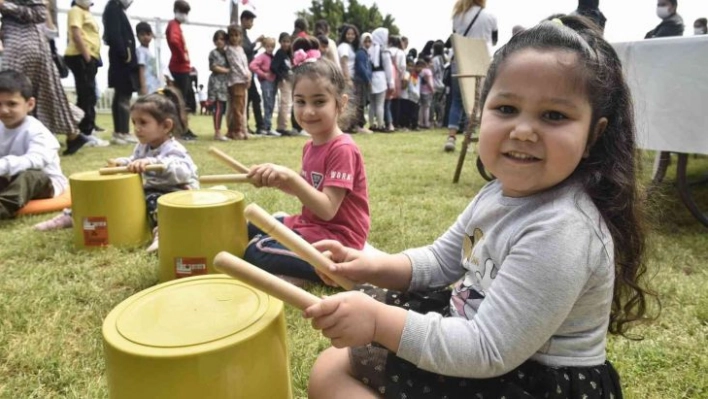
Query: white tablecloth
(669, 82)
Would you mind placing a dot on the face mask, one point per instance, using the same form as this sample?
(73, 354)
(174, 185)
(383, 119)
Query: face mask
(699, 31)
(663, 12)
(126, 3)
(83, 3)
(181, 17)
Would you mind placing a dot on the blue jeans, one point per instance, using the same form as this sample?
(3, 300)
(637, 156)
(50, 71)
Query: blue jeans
(456, 105)
(267, 253)
(388, 118)
(268, 90)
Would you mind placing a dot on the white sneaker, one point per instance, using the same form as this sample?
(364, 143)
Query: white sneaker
(272, 133)
(118, 139)
(129, 138)
(94, 141)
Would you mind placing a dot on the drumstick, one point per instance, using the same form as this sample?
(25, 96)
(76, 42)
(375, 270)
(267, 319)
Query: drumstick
(264, 281)
(223, 157)
(124, 169)
(271, 226)
(233, 178)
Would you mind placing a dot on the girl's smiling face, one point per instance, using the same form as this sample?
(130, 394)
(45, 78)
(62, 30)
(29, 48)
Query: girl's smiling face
(148, 130)
(536, 121)
(316, 108)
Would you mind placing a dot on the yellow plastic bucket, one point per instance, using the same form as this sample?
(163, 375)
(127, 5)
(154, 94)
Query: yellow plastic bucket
(108, 210)
(196, 225)
(201, 337)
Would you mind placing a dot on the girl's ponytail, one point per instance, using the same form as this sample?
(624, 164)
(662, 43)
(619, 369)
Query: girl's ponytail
(181, 115)
(163, 104)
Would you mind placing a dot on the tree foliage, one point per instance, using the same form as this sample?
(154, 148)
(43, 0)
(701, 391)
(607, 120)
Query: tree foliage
(366, 19)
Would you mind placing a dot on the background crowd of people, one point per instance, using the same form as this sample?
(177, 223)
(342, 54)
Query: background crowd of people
(393, 87)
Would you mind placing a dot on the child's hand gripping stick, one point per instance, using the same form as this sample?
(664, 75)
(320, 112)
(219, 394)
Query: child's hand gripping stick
(124, 169)
(223, 157)
(219, 179)
(271, 226)
(264, 281)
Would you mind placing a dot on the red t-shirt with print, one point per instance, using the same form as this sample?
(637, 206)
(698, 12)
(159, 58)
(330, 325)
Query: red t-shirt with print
(337, 163)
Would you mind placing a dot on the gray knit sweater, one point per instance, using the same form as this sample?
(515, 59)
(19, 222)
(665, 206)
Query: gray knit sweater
(534, 280)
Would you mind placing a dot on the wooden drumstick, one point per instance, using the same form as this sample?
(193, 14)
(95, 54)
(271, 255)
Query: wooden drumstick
(264, 281)
(124, 169)
(223, 157)
(271, 226)
(218, 179)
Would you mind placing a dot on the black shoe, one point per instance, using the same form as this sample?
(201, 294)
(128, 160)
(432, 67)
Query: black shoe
(99, 129)
(72, 146)
(189, 135)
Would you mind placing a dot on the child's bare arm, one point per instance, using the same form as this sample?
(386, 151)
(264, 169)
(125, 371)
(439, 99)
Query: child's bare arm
(324, 204)
(143, 83)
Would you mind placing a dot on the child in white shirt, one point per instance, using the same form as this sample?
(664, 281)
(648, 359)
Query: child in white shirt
(29, 158)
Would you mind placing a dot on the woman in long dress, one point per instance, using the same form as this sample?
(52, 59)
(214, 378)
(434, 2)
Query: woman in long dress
(27, 51)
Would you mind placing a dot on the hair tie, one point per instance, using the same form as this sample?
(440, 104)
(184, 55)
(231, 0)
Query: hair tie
(301, 56)
(557, 21)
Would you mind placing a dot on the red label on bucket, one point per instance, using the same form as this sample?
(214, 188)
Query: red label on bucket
(95, 231)
(187, 267)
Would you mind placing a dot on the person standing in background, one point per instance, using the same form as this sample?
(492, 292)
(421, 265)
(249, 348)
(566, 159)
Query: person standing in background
(260, 66)
(122, 67)
(700, 26)
(590, 9)
(671, 22)
(250, 48)
(322, 28)
(282, 68)
(180, 66)
(469, 19)
(82, 56)
(147, 63)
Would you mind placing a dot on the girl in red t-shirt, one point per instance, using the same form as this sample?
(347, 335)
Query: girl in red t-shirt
(332, 184)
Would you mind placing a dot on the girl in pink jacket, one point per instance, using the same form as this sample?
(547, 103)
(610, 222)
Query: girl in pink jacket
(261, 67)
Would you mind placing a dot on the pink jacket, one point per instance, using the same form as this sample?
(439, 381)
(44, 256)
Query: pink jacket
(261, 67)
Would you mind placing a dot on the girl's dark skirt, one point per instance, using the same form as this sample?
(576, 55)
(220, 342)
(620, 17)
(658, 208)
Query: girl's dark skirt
(392, 377)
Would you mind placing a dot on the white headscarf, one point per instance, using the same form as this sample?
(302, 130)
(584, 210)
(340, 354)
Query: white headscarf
(379, 37)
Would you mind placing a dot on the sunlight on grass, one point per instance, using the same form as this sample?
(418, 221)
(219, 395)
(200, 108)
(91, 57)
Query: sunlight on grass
(53, 298)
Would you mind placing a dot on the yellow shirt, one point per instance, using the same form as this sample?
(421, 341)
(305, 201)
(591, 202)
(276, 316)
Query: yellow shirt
(82, 19)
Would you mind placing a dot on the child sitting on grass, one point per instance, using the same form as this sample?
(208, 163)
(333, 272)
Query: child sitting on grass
(157, 118)
(29, 158)
(332, 183)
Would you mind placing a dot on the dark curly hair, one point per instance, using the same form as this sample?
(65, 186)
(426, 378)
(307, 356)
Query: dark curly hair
(611, 170)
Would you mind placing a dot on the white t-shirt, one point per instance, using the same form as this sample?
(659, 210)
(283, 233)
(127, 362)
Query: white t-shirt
(483, 27)
(346, 50)
(148, 60)
(31, 146)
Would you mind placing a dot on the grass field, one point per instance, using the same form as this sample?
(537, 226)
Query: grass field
(53, 298)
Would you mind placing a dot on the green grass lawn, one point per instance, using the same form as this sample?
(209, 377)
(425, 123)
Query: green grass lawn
(53, 298)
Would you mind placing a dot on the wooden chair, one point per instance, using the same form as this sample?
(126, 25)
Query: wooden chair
(472, 58)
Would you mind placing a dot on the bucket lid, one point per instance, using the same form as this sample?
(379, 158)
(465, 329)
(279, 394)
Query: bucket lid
(189, 312)
(199, 198)
(95, 176)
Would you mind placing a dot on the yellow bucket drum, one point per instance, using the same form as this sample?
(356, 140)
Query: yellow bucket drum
(196, 225)
(108, 210)
(201, 337)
